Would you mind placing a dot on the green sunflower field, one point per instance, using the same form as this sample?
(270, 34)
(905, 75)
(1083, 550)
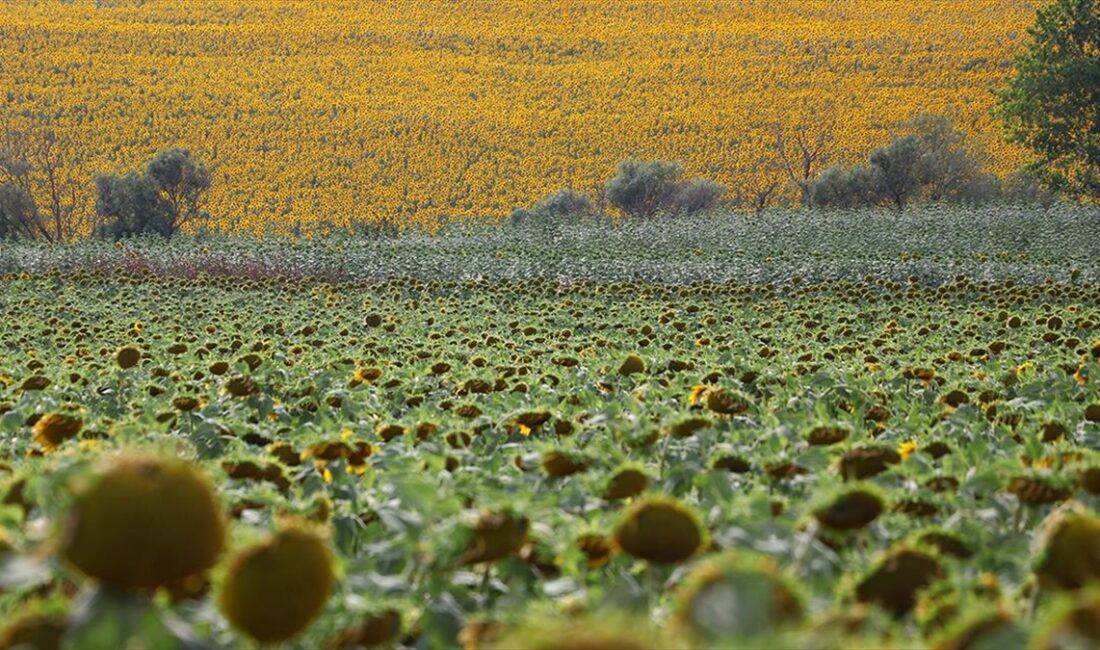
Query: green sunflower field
(797, 430)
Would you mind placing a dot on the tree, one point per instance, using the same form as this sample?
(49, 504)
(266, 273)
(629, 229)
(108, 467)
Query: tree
(167, 195)
(18, 213)
(130, 204)
(947, 168)
(897, 165)
(803, 148)
(1052, 104)
(182, 181)
(35, 157)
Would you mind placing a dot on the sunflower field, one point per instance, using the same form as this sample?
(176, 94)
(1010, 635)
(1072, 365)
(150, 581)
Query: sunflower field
(344, 110)
(500, 438)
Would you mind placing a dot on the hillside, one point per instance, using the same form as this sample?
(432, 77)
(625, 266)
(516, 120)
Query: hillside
(315, 111)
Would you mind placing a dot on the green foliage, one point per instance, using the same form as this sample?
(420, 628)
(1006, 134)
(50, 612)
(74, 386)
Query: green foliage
(897, 164)
(448, 388)
(563, 204)
(19, 217)
(854, 187)
(1023, 187)
(167, 195)
(934, 243)
(182, 180)
(949, 169)
(645, 188)
(1052, 104)
(641, 188)
(130, 205)
(932, 163)
(696, 195)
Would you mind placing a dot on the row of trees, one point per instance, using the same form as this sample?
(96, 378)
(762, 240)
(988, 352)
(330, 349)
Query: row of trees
(40, 199)
(929, 162)
(1051, 106)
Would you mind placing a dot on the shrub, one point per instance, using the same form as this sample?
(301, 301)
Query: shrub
(854, 187)
(642, 188)
(1023, 187)
(564, 203)
(519, 216)
(932, 163)
(18, 213)
(555, 207)
(696, 194)
(978, 190)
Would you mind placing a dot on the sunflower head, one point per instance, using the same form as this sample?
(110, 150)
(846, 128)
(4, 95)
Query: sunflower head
(275, 588)
(53, 429)
(182, 528)
(1067, 548)
(127, 357)
(660, 530)
(733, 596)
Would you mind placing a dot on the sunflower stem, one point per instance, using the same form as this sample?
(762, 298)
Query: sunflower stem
(1033, 603)
(1018, 519)
(664, 455)
(803, 546)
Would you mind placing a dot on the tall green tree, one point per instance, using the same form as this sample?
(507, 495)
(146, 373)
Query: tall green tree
(1052, 104)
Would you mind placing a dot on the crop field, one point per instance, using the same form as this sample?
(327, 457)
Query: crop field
(345, 110)
(496, 449)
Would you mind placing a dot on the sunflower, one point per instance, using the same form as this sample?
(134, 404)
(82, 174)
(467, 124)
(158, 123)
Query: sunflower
(34, 628)
(632, 365)
(240, 386)
(127, 357)
(827, 435)
(660, 530)
(850, 510)
(1069, 556)
(144, 522)
(52, 429)
(895, 580)
(585, 634)
(493, 536)
(274, 589)
(376, 629)
(720, 401)
(559, 464)
(1073, 622)
(735, 595)
(597, 549)
(986, 628)
(627, 482)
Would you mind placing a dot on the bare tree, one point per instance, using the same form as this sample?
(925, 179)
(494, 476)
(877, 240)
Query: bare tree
(759, 182)
(805, 148)
(37, 159)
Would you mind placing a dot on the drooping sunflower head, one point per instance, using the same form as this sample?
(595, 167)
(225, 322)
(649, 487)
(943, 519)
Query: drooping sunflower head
(660, 530)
